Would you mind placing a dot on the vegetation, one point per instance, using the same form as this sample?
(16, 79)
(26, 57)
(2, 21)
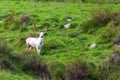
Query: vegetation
(65, 54)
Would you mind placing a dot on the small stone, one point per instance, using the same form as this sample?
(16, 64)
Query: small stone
(93, 45)
(69, 20)
(67, 25)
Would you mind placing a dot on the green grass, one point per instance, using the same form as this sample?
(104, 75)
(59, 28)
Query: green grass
(68, 48)
(9, 76)
(74, 47)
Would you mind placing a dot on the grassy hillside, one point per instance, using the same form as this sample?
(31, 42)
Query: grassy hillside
(63, 48)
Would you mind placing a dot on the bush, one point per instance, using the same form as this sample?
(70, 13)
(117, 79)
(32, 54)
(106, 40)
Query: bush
(16, 58)
(105, 24)
(80, 71)
(101, 17)
(5, 50)
(25, 54)
(24, 21)
(115, 58)
(117, 41)
(9, 19)
(116, 18)
(37, 67)
(6, 65)
(57, 70)
(7, 59)
(14, 21)
(109, 70)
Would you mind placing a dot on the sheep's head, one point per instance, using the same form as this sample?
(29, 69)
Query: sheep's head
(41, 34)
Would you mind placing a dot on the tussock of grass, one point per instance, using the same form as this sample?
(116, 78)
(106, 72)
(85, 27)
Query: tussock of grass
(61, 46)
(8, 76)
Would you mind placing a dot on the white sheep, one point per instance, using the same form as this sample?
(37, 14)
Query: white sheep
(35, 42)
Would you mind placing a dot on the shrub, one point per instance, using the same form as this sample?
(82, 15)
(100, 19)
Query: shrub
(5, 50)
(80, 71)
(9, 19)
(16, 59)
(109, 70)
(57, 70)
(24, 54)
(25, 21)
(19, 58)
(6, 65)
(25, 18)
(116, 18)
(115, 58)
(17, 21)
(37, 67)
(7, 59)
(101, 17)
(117, 41)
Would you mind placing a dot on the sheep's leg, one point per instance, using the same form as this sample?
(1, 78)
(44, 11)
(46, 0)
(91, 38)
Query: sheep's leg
(29, 47)
(38, 50)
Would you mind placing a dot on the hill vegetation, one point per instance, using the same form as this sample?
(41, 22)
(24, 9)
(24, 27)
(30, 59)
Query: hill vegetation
(66, 53)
